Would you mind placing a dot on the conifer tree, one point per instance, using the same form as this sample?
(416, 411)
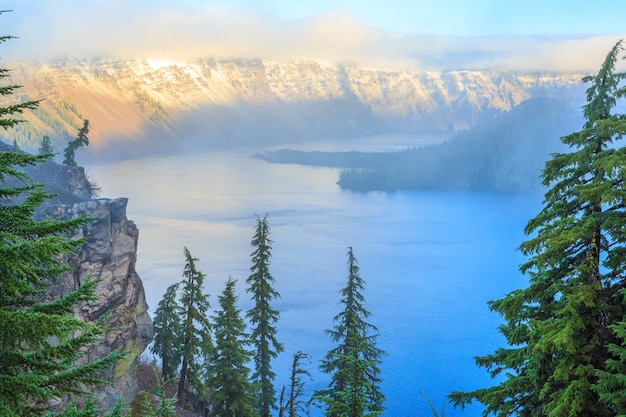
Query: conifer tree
(230, 390)
(354, 390)
(40, 340)
(168, 333)
(560, 328)
(293, 405)
(196, 344)
(263, 318)
(46, 147)
(72, 146)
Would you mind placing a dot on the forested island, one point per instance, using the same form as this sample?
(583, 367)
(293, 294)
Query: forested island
(503, 153)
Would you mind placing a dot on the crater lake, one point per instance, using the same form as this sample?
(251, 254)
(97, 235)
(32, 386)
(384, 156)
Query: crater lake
(431, 260)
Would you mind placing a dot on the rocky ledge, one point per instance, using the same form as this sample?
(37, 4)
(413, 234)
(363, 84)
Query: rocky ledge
(109, 255)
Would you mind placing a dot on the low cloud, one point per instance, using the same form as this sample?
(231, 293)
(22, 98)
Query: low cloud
(157, 30)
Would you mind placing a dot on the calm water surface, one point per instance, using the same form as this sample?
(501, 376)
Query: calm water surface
(431, 259)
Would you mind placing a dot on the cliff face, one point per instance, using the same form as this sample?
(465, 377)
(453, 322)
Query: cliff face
(138, 107)
(109, 254)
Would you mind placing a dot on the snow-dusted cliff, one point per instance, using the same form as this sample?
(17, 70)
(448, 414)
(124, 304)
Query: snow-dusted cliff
(143, 106)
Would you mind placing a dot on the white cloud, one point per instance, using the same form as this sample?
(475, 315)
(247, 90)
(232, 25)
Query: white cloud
(156, 30)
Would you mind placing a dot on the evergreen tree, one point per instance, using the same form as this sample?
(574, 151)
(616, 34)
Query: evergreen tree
(263, 318)
(196, 344)
(45, 149)
(560, 328)
(40, 340)
(72, 146)
(165, 406)
(8, 113)
(354, 389)
(230, 390)
(293, 405)
(168, 333)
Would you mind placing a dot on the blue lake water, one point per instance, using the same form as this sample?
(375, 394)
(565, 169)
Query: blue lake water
(431, 260)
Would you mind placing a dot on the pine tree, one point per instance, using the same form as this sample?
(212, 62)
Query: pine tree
(560, 327)
(168, 333)
(230, 390)
(293, 405)
(45, 149)
(40, 341)
(72, 146)
(263, 318)
(354, 389)
(196, 344)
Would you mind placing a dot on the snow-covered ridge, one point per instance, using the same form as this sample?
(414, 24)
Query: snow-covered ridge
(128, 99)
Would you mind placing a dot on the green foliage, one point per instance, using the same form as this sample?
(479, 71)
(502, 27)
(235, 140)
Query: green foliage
(231, 392)
(165, 407)
(89, 409)
(263, 317)
(196, 348)
(354, 389)
(293, 405)
(612, 382)
(45, 148)
(72, 146)
(152, 108)
(40, 339)
(563, 329)
(168, 333)
(7, 119)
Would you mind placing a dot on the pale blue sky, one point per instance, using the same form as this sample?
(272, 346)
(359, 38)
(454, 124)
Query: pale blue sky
(456, 17)
(523, 35)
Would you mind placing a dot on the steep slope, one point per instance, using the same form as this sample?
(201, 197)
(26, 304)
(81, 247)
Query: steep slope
(138, 107)
(109, 254)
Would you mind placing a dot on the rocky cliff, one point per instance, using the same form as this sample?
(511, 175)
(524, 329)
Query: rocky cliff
(109, 254)
(138, 107)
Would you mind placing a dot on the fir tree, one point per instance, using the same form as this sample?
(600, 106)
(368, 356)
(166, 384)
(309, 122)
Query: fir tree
(45, 149)
(354, 389)
(168, 333)
(40, 340)
(196, 337)
(165, 407)
(263, 318)
(293, 405)
(72, 146)
(8, 113)
(230, 390)
(560, 328)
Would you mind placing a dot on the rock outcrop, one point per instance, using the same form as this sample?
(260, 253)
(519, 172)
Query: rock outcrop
(109, 254)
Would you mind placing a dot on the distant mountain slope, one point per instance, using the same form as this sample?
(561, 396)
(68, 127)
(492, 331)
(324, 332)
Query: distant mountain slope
(139, 107)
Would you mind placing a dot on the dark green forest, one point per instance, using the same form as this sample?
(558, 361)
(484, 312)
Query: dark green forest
(221, 364)
(502, 153)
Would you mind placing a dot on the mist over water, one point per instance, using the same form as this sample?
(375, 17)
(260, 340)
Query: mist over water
(431, 260)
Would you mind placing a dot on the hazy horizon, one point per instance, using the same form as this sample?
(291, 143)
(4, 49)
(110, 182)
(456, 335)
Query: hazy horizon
(429, 35)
